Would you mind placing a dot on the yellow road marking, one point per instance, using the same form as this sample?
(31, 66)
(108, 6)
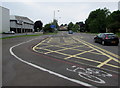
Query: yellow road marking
(58, 46)
(69, 48)
(117, 56)
(69, 40)
(78, 54)
(96, 53)
(73, 56)
(88, 59)
(113, 65)
(49, 40)
(64, 49)
(57, 52)
(38, 44)
(89, 45)
(106, 54)
(104, 63)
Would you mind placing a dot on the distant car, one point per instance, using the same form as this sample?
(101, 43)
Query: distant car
(70, 32)
(107, 38)
(9, 32)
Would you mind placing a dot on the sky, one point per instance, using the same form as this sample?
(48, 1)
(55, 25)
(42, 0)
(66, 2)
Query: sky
(66, 11)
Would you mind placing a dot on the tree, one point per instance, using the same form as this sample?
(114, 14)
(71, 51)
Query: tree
(114, 27)
(113, 22)
(65, 25)
(38, 26)
(70, 26)
(96, 21)
(55, 22)
(81, 26)
(75, 28)
(61, 25)
(47, 28)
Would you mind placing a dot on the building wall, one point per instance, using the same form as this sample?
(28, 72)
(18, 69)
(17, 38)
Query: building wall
(20, 27)
(13, 24)
(0, 19)
(4, 19)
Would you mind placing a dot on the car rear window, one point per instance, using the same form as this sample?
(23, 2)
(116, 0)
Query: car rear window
(111, 35)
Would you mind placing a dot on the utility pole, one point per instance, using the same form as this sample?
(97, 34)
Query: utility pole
(54, 15)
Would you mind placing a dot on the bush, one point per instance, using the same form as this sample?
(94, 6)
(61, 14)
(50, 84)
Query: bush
(48, 29)
(114, 27)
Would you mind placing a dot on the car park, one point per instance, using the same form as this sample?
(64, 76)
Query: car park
(107, 39)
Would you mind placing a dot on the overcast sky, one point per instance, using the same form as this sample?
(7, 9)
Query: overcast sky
(69, 10)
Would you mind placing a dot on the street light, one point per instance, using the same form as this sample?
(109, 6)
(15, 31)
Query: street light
(55, 14)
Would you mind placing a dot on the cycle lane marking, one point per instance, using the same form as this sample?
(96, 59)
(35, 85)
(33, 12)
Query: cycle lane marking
(46, 70)
(91, 74)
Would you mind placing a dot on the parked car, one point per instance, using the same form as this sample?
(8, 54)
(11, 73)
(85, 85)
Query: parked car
(70, 32)
(9, 32)
(107, 38)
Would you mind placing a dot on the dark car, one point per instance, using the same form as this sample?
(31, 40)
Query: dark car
(70, 32)
(107, 38)
(9, 32)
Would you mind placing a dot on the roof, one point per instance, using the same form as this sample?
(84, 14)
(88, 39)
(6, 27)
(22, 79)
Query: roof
(4, 8)
(106, 33)
(21, 18)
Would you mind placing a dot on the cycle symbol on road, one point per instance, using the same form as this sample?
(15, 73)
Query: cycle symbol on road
(91, 74)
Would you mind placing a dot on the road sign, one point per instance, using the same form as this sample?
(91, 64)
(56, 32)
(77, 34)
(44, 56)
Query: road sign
(52, 26)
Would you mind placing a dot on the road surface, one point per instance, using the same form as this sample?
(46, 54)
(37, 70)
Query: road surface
(59, 60)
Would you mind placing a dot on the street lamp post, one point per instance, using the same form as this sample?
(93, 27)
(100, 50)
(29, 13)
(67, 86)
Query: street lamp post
(55, 14)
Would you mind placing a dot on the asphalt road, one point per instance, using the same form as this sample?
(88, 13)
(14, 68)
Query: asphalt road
(59, 60)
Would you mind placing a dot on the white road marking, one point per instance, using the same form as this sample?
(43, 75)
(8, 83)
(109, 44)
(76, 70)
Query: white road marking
(46, 70)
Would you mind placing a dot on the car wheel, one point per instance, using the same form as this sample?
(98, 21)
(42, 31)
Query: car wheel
(103, 42)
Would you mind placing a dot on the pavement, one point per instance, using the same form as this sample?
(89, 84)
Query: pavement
(59, 60)
(17, 34)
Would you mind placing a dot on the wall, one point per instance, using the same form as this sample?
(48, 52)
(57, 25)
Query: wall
(0, 19)
(4, 19)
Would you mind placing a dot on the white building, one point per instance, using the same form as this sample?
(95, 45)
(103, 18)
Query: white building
(4, 20)
(119, 5)
(20, 24)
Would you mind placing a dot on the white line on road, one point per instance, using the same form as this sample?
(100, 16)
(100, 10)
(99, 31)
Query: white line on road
(46, 70)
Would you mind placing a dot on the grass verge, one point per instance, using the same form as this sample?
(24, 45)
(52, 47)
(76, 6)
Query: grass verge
(28, 35)
(118, 34)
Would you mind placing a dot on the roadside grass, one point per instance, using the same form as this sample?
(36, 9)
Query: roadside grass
(118, 34)
(28, 35)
